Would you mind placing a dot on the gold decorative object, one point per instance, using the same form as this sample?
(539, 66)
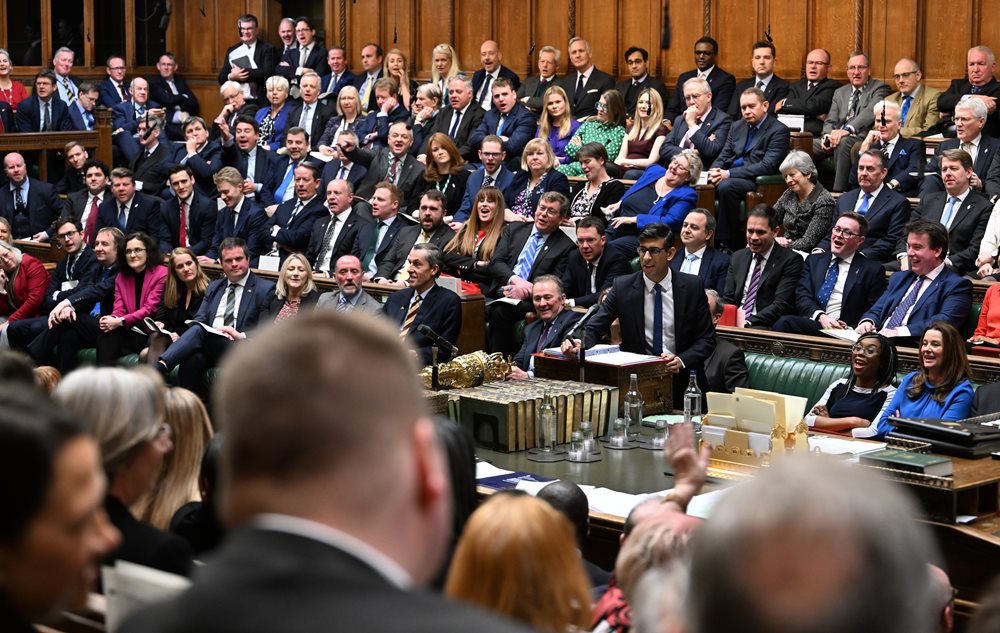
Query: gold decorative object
(469, 370)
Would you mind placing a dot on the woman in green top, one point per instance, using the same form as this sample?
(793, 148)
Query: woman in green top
(607, 128)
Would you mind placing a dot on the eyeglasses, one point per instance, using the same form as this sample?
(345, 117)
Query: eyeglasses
(134, 251)
(547, 211)
(904, 75)
(855, 69)
(845, 232)
(490, 154)
(816, 63)
(601, 105)
(650, 250)
(869, 350)
(63, 236)
(693, 97)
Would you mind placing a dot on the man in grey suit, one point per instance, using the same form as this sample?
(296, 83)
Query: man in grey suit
(395, 165)
(351, 296)
(851, 117)
(699, 126)
(533, 88)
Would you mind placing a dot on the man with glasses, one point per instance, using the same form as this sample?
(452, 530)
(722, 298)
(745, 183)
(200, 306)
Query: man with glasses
(917, 102)
(836, 288)
(811, 97)
(113, 89)
(493, 173)
(251, 76)
(699, 126)
(969, 119)
(706, 51)
(637, 63)
(980, 82)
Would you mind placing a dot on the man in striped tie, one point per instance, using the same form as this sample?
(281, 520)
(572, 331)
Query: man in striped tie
(425, 303)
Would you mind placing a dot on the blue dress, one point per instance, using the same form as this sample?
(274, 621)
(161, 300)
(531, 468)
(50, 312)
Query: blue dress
(955, 407)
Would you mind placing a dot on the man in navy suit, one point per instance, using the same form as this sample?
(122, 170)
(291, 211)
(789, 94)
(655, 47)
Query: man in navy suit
(240, 217)
(291, 224)
(113, 89)
(461, 120)
(84, 206)
(43, 111)
(343, 169)
(190, 209)
(81, 111)
(775, 88)
(838, 287)
(171, 90)
(970, 118)
(425, 303)
(279, 186)
(29, 205)
(906, 155)
(203, 156)
(585, 83)
(389, 111)
(762, 277)
(554, 321)
(706, 50)
(127, 209)
(371, 63)
(929, 291)
(591, 267)
(493, 173)
(307, 55)
(339, 74)
(699, 127)
(148, 157)
(126, 115)
(484, 78)
(240, 150)
(310, 114)
(637, 62)
(333, 236)
(887, 212)
(533, 88)
(375, 239)
(812, 96)
(431, 229)
(673, 324)
(395, 165)
(262, 54)
(232, 305)
(509, 120)
(698, 258)
(755, 147)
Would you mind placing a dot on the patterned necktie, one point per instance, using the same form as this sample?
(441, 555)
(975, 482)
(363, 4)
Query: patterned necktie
(657, 320)
(70, 95)
(543, 337)
(865, 203)
(410, 315)
(18, 198)
(823, 297)
(899, 313)
(89, 232)
(750, 300)
(810, 85)
(488, 180)
(46, 117)
(344, 305)
(852, 109)
(182, 231)
(484, 96)
(324, 253)
(229, 316)
(905, 109)
(760, 84)
(528, 255)
(121, 92)
(976, 90)
(393, 168)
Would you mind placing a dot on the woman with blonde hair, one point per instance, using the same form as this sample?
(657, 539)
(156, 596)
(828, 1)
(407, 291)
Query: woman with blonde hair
(537, 176)
(444, 66)
(294, 292)
(23, 281)
(177, 483)
(477, 240)
(644, 139)
(394, 67)
(349, 117)
(556, 125)
(273, 119)
(518, 557)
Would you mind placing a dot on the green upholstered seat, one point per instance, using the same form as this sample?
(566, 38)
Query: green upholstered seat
(793, 376)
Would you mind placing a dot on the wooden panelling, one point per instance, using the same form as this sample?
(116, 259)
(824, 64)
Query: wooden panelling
(833, 29)
(686, 26)
(592, 20)
(474, 22)
(790, 30)
(513, 34)
(551, 28)
(432, 29)
(884, 46)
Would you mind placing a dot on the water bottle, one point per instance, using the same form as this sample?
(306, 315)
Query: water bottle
(633, 407)
(546, 430)
(692, 404)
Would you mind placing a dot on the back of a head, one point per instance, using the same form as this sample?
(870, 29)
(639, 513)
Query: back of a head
(811, 546)
(568, 498)
(654, 542)
(16, 368)
(460, 449)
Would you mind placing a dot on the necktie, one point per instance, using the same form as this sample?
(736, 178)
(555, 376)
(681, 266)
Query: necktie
(229, 316)
(122, 220)
(823, 297)
(543, 337)
(657, 320)
(456, 120)
(182, 241)
(366, 93)
(852, 109)
(590, 277)
(236, 220)
(90, 230)
(96, 311)
(528, 255)
(811, 85)
(140, 112)
(173, 86)
(370, 252)
(18, 198)
(70, 95)
(46, 117)
(393, 169)
(751, 133)
(342, 172)
(751, 299)
(295, 211)
(865, 203)
(324, 253)
(303, 56)
(579, 89)
(760, 84)
(688, 144)
(488, 180)
(688, 262)
(948, 211)
(976, 89)
(121, 91)
(965, 147)
(540, 89)
(284, 191)
(410, 315)
(343, 305)
(305, 116)
(484, 96)
(905, 109)
(911, 297)
(500, 124)
(89, 120)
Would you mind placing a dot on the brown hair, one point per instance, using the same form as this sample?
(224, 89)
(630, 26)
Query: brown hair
(175, 288)
(954, 365)
(456, 164)
(464, 242)
(545, 121)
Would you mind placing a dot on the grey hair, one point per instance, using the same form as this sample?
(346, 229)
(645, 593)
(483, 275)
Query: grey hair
(229, 85)
(718, 307)
(987, 50)
(551, 49)
(801, 161)
(463, 78)
(701, 83)
(432, 252)
(276, 81)
(977, 107)
(694, 164)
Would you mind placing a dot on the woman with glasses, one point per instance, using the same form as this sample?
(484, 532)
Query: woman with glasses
(606, 128)
(855, 404)
(272, 119)
(601, 189)
(23, 282)
(138, 294)
(805, 209)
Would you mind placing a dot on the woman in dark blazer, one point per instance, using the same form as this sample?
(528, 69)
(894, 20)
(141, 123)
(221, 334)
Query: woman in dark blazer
(446, 171)
(537, 176)
(601, 189)
(294, 292)
(182, 295)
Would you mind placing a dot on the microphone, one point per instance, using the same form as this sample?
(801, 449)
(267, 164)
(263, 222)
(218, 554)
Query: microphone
(437, 338)
(586, 317)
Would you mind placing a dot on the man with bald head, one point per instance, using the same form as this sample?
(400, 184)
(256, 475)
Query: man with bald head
(482, 79)
(349, 296)
(396, 166)
(28, 204)
(125, 116)
(917, 102)
(811, 97)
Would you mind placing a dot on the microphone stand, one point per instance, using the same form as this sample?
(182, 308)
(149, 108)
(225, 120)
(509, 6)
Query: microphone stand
(434, 368)
(583, 352)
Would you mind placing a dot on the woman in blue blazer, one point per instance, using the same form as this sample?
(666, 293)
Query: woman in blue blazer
(272, 119)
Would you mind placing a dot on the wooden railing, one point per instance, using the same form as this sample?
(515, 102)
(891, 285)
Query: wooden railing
(98, 141)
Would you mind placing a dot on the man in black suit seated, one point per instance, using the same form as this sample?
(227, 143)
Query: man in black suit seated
(584, 84)
(554, 321)
(980, 82)
(152, 159)
(461, 119)
(172, 92)
(962, 211)
(756, 145)
(699, 127)
(906, 156)
(969, 119)
(395, 165)
(232, 305)
(533, 88)
(637, 62)
(333, 236)
(525, 251)
(43, 111)
(837, 287)
(661, 312)
(508, 119)
(726, 368)
(425, 303)
(431, 229)
(369, 522)
(887, 212)
(240, 150)
(375, 239)
(239, 217)
(342, 168)
(187, 218)
(290, 226)
(203, 156)
(262, 53)
(336, 75)
(235, 106)
(84, 206)
(762, 62)
(591, 268)
(127, 209)
(482, 79)
(279, 186)
(811, 97)
(126, 115)
(706, 51)
(389, 110)
(28, 204)
(73, 180)
(698, 258)
(81, 111)
(763, 276)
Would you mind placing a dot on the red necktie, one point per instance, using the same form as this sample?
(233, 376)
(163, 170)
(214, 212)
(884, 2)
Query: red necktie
(183, 240)
(88, 233)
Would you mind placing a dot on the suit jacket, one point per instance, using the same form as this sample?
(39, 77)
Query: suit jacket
(293, 233)
(563, 322)
(986, 400)
(576, 280)
(29, 289)
(264, 56)
(28, 116)
(441, 311)
(947, 298)
(395, 259)
(41, 202)
(630, 92)
(332, 168)
(908, 158)
(380, 125)
(251, 226)
(123, 115)
(864, 118)
(144, 215)
(811, 103)
(315, 61)
(322, 584)
(204, 164)
(504, 182)
(480, 75)
(723, 86)
(923, 113)
(778, 280)
(346, 79)
(713, 269)
(552, 180)
(529, 89)
(77, 202)
(202, 216)
(551, 259)
(708, 140)
(470, 123)
(84, 273)
(766, 151)
(887, 215)
(359, 82)
(77, 123)
(410, 173)
(961, 87)
(345, 240)
(263, 170)
(366, 233)
(109, 96)
(776, 90)
(864, 285)
(152, 171)
(519, 128)
(149, 299)
(145, 545)
(365, 303)
(321, 115)
(968, 226)
(585, 104)
(257, 292)
(726, 368)
(160, 92)
(985, 167)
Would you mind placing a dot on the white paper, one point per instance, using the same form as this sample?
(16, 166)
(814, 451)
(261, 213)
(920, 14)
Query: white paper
(844, 335)
(320, 156)
(486, 469)
(621, 359)
(612, 502)
(794, 122)
(703, 505)
(129, 587)
(269, 262)
(839, 446)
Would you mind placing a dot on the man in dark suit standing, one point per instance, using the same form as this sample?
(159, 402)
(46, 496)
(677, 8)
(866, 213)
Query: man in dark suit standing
(838, 287)
(698, 258)
(187, 218)
(699, 127)
(396, 165)
(333, 236)
(240, 150)
(43, 111)
(484, 78)
(290, 227)
(509, 120)
(811, 97)
(585, 84)
(979, 82)
(763, 276)
(251, 76)
(905, 168)
(113, 89)
(338, 74)
(637, 62)
(525, 251)
(762, 62)
(127, 209)
(308, 55)
(929, 291)
(726, 367)
(172, 92)
(239, 217)
(493, 173)
(232, 305)
(84, 206)
(969, 119)
(554, 321)
(591, 267)
(533, 88)
(706, 51)
(375, 239)
(371, 63)
(431, 229)
(30, 205)
(461, 120)
(755, 147)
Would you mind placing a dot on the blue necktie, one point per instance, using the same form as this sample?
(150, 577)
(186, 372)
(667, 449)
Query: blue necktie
(122, 220)
(484, 96)
(96, 312)
(865, 202)
(751, 133)
(688, 263)
(456, 120)
(502, 122)
(976, 90)
(911, 297)
(527, 258)
(282, 189)
(657, 320)
(823, 298)
(905, 109)
(948, 210)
